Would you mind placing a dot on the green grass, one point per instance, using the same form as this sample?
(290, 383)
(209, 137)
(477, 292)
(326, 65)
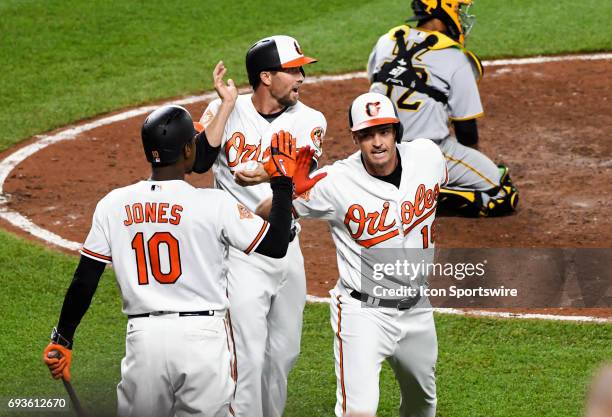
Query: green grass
(34, 281)
(486, 367)
(527, 27)
(64, 61)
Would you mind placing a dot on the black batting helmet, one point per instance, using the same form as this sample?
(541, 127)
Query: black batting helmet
(165, 132)
(274, 53)
(454, 14)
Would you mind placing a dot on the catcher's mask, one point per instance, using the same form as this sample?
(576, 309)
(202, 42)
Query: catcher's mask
(272, 54)
(165, 132)
(373, 109)
(453, 13)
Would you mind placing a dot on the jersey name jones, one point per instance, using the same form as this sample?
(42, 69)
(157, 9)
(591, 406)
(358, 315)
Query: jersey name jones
(152, 213)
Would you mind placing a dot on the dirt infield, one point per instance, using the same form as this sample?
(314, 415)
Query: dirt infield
(550, 123)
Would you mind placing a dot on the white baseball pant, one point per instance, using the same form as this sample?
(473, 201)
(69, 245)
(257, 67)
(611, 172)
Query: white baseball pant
(267, 298)
(176, 366)
(366, 336)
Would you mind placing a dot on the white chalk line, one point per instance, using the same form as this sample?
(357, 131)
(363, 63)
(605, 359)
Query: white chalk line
(494, 314)
(22, 222)
(14, 159)
(493, 63)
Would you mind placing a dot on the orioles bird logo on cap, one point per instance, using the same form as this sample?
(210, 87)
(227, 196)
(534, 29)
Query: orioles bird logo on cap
(372, 109)
(297, 48)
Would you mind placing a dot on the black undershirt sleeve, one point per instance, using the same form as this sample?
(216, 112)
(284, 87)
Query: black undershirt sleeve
(466, 132)
(79, 295)
(205, 154)
(276, 241)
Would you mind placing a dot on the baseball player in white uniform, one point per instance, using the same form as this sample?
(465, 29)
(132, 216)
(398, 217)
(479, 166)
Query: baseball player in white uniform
(432, 78)
(383, 196)
(168, 242)
(267, 297)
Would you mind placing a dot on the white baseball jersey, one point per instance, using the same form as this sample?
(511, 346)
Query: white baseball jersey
(247, 137)
(267, 295)
(167, 241)
(447, 67)
(365, 212)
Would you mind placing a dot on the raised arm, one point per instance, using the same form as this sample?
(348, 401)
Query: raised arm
(213, 120)
(228, 93)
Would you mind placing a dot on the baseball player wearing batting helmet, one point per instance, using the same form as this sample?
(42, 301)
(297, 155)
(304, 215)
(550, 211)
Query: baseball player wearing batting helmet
(381, 197)
(167, 241)
(267, 297)
(432, 78)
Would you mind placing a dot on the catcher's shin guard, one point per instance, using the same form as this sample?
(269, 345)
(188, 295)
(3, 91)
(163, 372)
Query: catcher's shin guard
(497, 201)
(504, 176)
(504, 198)
(462, 202)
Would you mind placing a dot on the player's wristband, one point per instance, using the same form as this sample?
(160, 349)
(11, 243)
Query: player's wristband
(281, 183)
(59, 339)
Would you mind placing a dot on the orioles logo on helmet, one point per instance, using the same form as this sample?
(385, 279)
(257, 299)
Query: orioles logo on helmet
(372, 109)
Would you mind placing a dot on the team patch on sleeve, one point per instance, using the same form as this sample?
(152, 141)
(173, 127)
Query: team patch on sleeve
(317, 137)
(244, 212)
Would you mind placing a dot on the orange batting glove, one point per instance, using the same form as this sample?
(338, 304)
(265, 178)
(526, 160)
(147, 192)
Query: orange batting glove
(283, 154)
(301, 178)
(58, 359)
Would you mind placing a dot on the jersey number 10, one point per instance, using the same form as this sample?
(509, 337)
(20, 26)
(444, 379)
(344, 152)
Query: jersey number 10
(153, 244)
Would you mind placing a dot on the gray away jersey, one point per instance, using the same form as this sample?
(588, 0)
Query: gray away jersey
(449, 70)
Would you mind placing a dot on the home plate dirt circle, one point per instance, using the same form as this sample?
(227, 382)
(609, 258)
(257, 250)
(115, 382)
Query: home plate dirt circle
(550, 122)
